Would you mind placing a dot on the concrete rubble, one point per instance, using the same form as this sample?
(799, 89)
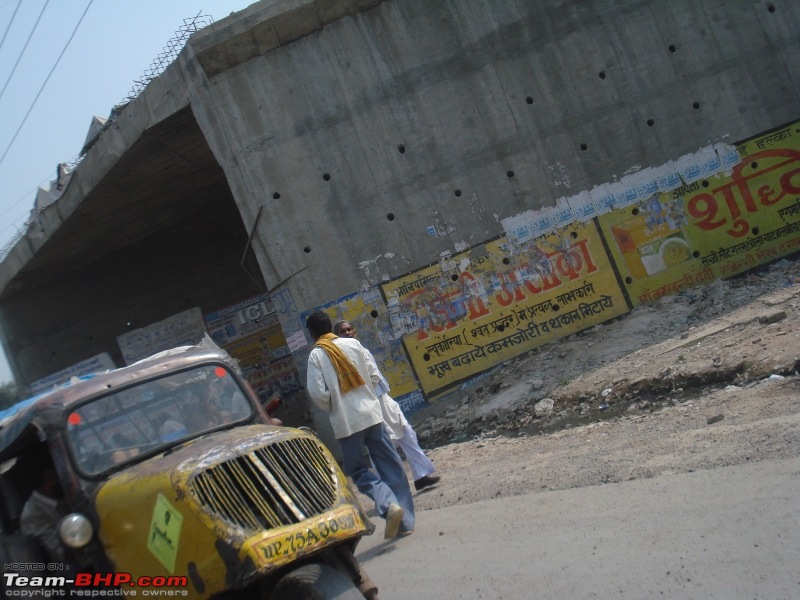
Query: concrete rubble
(730, 333)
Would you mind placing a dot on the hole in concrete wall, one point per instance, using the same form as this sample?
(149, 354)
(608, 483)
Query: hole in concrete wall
(426, 356)
(390, 216)
(276, 196)
(672, 48)
(509, 174)
(584, 147)
(374, 313)
(457, 193)
(650, 122)
(756, 230)
(326, 176)
(635, 211)
(529, 100)
(401, 149)
(602, 74)
(771, 7)
(696, 105)
(629, 280)
(704, 183)
(307, 249)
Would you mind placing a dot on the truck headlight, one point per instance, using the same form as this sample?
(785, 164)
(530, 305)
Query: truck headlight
(75, 530)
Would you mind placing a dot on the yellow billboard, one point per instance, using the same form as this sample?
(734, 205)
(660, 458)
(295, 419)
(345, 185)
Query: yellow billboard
(710, 214)
(495, 301)
(713, 227)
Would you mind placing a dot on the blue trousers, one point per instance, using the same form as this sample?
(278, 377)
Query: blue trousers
(390, 483)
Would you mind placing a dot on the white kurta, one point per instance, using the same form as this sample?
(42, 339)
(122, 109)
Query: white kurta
(357, 409)
(393, 417)
(392, 413)
(402, 434)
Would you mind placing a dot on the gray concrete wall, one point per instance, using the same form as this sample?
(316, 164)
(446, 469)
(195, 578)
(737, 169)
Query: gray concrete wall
(374, 135)
(362, 134)
(564, 94)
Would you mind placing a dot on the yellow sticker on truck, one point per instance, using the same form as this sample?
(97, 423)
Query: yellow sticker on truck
(285, 545)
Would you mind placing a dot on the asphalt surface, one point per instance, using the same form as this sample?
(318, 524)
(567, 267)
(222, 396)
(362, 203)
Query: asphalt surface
(685, 486)
(726, 533)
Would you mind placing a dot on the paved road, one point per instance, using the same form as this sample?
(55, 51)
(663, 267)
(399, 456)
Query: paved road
(729, 533)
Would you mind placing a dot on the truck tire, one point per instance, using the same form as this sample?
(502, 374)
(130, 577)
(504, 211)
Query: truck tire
(316, 582)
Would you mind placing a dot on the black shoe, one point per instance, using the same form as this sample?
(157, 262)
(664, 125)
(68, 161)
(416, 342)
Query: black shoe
(427, 481)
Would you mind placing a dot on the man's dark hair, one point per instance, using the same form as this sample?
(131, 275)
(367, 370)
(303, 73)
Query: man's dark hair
(318, 323)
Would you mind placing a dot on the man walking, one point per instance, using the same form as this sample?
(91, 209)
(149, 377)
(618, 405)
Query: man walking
(400, 430)
(341, 379)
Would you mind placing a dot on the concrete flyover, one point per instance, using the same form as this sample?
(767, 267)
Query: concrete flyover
(321, 147)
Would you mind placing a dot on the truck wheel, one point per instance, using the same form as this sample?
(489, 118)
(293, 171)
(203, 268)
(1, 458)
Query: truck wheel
(316, 582)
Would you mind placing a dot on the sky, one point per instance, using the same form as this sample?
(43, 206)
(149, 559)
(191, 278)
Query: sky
(61, 63)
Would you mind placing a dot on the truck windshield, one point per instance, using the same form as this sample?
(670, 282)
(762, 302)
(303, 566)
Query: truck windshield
(153, 416)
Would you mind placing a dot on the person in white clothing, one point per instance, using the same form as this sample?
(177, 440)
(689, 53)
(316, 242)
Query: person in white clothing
(340, 380)
(400, 431)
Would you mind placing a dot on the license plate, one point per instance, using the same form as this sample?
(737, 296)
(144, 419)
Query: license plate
(280, 548)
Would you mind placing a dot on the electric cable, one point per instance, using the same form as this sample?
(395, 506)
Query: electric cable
(39, 93)
(14, 224)
(25, 47)
(3, 41)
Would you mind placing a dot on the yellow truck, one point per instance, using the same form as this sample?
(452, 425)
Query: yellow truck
(175, 481)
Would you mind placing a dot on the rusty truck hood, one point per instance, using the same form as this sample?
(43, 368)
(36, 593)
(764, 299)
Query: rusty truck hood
(219, 508)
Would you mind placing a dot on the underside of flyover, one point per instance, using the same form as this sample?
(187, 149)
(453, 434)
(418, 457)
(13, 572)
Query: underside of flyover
(160, 234)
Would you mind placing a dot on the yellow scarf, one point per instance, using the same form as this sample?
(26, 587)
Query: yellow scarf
(349, 377)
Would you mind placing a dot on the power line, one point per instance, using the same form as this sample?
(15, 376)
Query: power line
(3, 41)
(39, 93)
(25, 47)
(7, 208)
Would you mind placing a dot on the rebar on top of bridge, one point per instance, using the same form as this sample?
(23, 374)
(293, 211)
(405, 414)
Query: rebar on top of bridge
(169, 53)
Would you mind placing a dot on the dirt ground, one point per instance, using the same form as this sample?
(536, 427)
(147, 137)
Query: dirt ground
(700, 380)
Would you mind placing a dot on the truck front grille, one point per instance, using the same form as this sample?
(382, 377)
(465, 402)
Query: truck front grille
(280, 484)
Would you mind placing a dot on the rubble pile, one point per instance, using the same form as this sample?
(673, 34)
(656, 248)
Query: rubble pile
(728, 333)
